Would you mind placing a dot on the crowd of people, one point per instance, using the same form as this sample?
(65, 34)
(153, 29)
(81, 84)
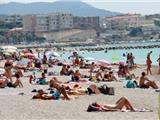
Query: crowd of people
(96, 73)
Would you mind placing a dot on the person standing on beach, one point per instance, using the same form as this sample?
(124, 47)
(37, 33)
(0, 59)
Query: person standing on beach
(149, 63)
(158, 64)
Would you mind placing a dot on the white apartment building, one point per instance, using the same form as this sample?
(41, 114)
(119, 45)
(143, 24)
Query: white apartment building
(123, 21)
(11, 18)
(48, 22)
(42, 23)
(65, 21)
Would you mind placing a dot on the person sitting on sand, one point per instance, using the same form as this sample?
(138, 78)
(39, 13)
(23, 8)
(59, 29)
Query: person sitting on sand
(82, 64)
(18, 81)
(60, 88)
(8, 67)
(69, 71)
(121, 71)
(76, 76)
(118, 106)
(6, 83)
(146, 83)
(40, 81)
(92, 68)
(63, 70)
(109, 77)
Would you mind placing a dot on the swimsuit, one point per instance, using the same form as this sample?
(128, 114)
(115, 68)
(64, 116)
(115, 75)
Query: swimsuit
(56, 94)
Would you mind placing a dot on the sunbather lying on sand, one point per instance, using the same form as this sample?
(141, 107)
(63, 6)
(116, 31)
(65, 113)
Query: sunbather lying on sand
(77, 89)
(118, 106)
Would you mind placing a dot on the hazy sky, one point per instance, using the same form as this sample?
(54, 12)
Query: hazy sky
(125, 6)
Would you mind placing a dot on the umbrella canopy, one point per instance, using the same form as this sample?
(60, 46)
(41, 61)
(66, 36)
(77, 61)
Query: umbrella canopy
(29, 55)
(7, 54)
(10, 51)
(8, 47)
(52, 53)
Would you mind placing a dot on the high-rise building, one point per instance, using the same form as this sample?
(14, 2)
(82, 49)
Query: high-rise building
(47, 22)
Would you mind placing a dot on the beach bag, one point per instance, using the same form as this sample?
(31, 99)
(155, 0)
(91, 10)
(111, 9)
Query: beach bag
(131, 84)
(104, 89)
(111, 91)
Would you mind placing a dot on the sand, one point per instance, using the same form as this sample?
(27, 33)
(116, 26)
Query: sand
(22, 107)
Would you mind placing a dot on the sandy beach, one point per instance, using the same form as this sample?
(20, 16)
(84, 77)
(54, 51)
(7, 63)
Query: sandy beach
(18, 107)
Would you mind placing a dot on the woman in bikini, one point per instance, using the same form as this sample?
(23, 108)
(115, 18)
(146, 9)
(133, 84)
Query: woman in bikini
(119, 105)
(8, 67)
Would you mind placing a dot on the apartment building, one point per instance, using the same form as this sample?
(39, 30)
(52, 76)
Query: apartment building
(48, 22)
(123, 21)
(86, 22)
(65, 21)
(11, 18)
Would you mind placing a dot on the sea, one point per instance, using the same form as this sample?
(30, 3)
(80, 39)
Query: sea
(114, 56)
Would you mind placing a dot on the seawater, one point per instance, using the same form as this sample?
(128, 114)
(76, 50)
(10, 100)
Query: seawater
(139, 54)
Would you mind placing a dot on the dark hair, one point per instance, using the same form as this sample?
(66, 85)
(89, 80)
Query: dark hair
(143, 73)
(17, 75)
(43, 73)
(110, 72)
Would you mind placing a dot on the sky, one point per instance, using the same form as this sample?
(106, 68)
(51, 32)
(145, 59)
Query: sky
(124, 6)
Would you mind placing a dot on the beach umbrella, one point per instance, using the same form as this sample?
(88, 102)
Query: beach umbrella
(9, 47)
(7, 54)
(52, 53)
(10, 51)
(30, 55)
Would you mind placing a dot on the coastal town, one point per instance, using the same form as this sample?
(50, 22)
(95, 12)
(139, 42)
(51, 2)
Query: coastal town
(79, 59)
(76, 30)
